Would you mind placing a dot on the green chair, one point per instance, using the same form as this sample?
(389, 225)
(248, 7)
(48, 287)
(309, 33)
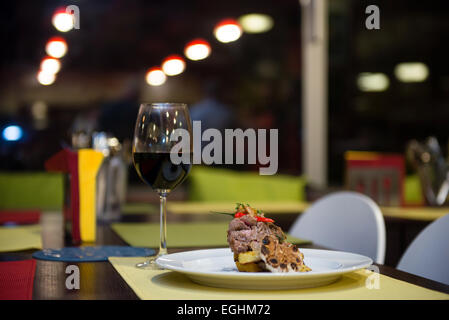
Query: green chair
(213, 184)
(31, 190)
(413, 194)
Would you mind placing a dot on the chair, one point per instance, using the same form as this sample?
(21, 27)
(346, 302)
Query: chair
(347, 221)
(31, 190)
(428, 255)
(215, 184)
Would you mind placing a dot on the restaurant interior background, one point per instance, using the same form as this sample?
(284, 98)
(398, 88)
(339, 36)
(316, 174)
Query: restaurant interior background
(255, 81)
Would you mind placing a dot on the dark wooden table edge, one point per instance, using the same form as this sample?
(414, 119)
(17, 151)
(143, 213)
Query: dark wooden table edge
(130, 294)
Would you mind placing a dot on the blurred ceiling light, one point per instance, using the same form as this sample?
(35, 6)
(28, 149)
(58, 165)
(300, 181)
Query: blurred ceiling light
(227, 30)
(50, 65)
(12, 133)
(256, 22)
(39, 110)
(411, 72)
(173, 65)
(46, 78)
(56, 47)
(155, 77)
(197, 49)
(62, 20)
(372, 82)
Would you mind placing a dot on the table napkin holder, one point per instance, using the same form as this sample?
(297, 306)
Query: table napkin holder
(80, 168)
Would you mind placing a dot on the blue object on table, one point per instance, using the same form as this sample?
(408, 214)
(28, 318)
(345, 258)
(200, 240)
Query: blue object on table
(91, 254)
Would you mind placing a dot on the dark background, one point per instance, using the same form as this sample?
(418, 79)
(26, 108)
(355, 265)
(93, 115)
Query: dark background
(259, 76)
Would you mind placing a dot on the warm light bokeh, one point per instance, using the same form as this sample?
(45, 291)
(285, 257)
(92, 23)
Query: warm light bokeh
(46, 78)
(56, 47)
(372, 82)
(62, 20)
(173, 65)
(50, 65)
(411, 72)
(155, 77)
(198, 49)
(227, 30)
(256, 23)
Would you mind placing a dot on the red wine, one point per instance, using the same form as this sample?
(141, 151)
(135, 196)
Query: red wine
(157, 170)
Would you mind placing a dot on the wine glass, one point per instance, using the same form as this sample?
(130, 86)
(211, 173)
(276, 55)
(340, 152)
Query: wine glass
(152, 148)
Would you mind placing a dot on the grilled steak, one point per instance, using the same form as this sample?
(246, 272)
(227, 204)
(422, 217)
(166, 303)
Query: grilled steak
(266, 241)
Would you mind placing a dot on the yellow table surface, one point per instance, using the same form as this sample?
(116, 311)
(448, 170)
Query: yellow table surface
(411, 213)
(19, 238)
(169, 285)
(188, 207)
(415, 213)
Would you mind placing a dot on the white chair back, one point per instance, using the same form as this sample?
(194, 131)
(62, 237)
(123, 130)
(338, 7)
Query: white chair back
(347, 221)
(428, 255)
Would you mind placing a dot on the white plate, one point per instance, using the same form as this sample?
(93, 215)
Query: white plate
(216, 268)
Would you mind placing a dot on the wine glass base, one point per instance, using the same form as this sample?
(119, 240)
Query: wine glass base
(150, 264)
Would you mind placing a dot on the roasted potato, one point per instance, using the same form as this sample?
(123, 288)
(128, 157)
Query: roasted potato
(248, 267)
(248, 257)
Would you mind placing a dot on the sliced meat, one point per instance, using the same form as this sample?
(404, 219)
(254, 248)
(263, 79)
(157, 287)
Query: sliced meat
(246, 233)
(238, 224)
(240, 240)
(249, 220)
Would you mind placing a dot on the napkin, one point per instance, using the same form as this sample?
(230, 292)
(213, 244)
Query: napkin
(16, 279)
(19, 238)
(19, 216)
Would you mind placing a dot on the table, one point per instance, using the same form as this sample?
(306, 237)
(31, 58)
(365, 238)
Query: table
(99, 280)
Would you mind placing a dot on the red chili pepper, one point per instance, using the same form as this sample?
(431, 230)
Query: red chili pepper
(263, 219)
(258, 218)
(239, 214)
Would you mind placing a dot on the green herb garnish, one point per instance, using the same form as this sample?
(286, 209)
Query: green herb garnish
(226, 213)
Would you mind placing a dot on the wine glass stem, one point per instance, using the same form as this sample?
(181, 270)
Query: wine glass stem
(163, 224)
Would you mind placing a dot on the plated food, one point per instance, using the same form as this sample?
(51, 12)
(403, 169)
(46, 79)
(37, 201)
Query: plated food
(216, 268)
(265, 260)
(259, 245)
